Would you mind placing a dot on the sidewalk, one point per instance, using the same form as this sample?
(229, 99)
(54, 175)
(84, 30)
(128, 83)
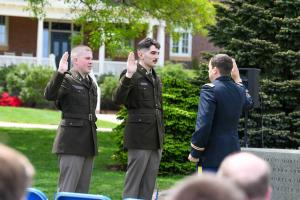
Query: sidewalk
(108, 117)
(104, 117)
(41, 126)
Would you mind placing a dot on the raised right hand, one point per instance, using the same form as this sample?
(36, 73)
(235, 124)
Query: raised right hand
(235, 74)
(131, 65)
(63, 63)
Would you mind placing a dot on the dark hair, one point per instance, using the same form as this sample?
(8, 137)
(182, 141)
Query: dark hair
(223, 62)
(147, 43)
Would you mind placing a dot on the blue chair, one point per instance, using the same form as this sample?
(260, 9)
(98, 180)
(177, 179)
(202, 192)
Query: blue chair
(131, 199)
(35, 194)
(79, 196)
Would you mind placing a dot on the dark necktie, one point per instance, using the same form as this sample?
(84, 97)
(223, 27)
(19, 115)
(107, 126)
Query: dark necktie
(150, 75)
(87, 81)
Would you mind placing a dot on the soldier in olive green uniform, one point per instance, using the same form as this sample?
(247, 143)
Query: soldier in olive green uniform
(75, 95)
(140, 90)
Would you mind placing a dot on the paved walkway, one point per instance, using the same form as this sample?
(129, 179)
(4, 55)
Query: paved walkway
(109, 117)
(104, 117)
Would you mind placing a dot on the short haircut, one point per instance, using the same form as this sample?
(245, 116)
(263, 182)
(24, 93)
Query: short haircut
(205, 187)
(251, 173)
(16, 174)
(147, 43)
(76, 51)
(223, 62)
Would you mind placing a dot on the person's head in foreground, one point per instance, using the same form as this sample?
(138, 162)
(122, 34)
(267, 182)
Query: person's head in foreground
(250, 172)
(16, 173)
(205, 187)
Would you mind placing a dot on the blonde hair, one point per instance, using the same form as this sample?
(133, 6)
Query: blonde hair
(76, 51)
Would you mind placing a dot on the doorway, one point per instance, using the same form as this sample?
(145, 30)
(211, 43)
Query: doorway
(60, 43)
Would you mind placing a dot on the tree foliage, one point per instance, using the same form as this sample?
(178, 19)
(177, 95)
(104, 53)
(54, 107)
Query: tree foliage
(276, 123)
(261, 34)
(113, 21)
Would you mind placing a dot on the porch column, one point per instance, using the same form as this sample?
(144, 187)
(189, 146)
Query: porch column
(101, 58)
(150, 30)
(39, 47)
(92, 75)
(161, 40)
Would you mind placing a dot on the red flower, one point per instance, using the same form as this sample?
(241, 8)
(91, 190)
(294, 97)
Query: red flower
(7, 100)
(5, 95)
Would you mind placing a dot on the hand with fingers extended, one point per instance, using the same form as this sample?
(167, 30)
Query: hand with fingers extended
(235, 74)
(131, 65)
(63, 63)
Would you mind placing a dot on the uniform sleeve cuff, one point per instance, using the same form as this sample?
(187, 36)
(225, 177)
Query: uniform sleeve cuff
(195, 153)
(59, 76)
(125, 81)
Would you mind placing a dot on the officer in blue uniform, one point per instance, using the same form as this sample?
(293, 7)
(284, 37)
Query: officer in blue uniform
(221, 104)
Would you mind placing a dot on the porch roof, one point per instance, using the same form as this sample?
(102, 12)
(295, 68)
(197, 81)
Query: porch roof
(58, 9)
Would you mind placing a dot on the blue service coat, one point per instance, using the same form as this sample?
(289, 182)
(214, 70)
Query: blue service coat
(220, 107)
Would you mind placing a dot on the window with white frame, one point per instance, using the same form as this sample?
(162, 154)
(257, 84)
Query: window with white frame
(3, 30)
(183, 46)
(51, 26)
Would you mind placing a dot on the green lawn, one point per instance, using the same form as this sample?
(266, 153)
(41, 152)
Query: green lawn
(37, 144)
(38, 116)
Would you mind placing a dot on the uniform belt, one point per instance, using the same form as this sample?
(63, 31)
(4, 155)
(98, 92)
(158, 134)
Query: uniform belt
(142, 111)
(90, 117)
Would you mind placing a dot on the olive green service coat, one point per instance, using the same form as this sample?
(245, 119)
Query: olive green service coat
(76, 98)
(142, 96)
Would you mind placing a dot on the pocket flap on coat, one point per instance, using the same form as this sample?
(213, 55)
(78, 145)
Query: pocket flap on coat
(140, 118)
(71, 122)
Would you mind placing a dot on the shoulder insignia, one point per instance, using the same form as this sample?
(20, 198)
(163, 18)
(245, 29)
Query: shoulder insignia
(209, 84)
(68, 74)
(240, 83)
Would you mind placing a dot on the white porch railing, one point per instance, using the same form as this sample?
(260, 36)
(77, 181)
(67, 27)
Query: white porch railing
(110, 67)
(6, 60)
(113, 67)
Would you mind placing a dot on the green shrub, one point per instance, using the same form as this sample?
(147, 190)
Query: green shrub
(15, 79)
(101, 78)
(4, 70)
(276, 123)
(32, 93)
(175, 71)
(107, 87)
(28, 83)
